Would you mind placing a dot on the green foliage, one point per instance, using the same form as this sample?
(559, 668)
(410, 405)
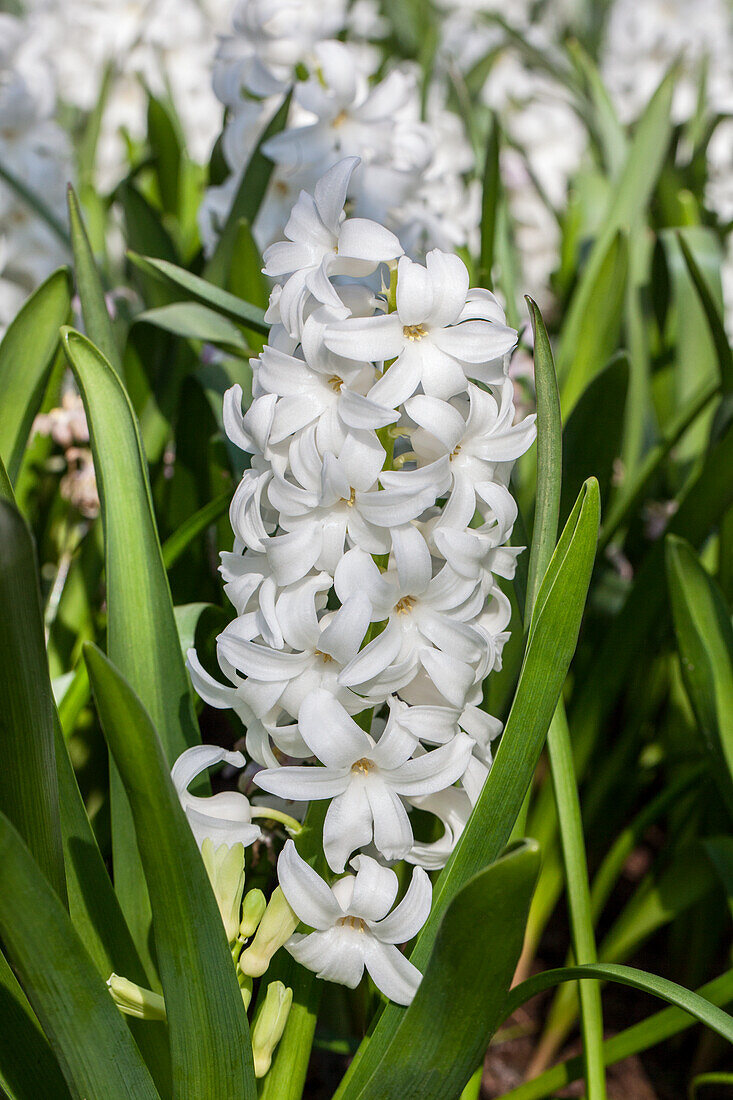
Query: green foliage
(616, 697)
(210, 1049)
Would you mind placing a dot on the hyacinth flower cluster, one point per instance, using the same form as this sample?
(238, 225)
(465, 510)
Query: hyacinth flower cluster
(371, 532)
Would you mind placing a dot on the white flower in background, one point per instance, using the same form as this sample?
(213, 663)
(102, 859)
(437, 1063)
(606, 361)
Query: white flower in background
(353, 925)
(439, 335)
(412, 180)
(167, 46)
(37, 152)
(363, 779)
(224, 818)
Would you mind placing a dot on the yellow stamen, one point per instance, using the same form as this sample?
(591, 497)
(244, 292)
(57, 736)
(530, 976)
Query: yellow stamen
(414, 332)
(335, 382)
(364, 766)
(405, 605)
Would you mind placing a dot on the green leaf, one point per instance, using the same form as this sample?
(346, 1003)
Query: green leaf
(210, 1047)
(552, 639)
(96, 914)
(603, 120)
(246, 279)
(167, 153)
(247, 201)
(97, 321)
(28, 1068)
(693, 1003)
(705, 641)
(628, 202)
(200, 290)
(712, 313)
(141, 631)
(28, 787)
(655, 1029)
(687, 332)
(6, 489)
(588, 451)
(439, 1040)
(549, 458)
(595, 340)
(191, 528)
(97, 1052)
(195, 322)
(720, 852)
(27, 355)
(489, 204)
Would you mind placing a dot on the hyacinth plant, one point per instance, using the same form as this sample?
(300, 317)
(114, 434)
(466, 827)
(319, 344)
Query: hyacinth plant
(344, 793)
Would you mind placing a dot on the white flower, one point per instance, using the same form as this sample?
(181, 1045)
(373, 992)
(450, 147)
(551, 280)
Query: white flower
(428, 620)
(480, 441)
(223, 818)
(318, 650)
(353, 924)
(321, 242)
(439, 336)
(341, 500)
(364, 779)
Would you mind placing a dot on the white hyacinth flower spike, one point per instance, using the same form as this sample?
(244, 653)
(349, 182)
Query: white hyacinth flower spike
(353, 925)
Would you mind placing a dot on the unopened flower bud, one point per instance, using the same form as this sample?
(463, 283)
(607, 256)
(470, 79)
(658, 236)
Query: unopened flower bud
(253, 910)
(269, 1025)
(277, 925)
(135, 1000)
(225, 867)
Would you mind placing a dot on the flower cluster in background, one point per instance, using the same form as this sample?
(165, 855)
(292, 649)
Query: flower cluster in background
(370, 536)
(415, 155)
(37, 153)
(421, 168)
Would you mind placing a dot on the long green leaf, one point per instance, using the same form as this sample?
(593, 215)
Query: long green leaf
(195, 322)
(210, 1047)
(28, 1068)
(177, 543)
(247, 201)
(29, 793)
(440, 1039)
(693, 1003)
(632, 1040)
(552, 638)
(549, 458)
(97, 321)
(26, 357)
(97, 1053)
(629, 199)
(96, 914)
(705, 640)
(489, 204)
(202, 291)
(712, 313)
(596, 339)
(141, 632)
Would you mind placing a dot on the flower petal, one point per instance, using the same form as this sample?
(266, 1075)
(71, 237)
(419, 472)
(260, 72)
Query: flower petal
(391, 972)
(375, 889)
(330, 192)
(406, 920)
(305, 891)
(329, 732)
(392, 829)
(348, 825)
